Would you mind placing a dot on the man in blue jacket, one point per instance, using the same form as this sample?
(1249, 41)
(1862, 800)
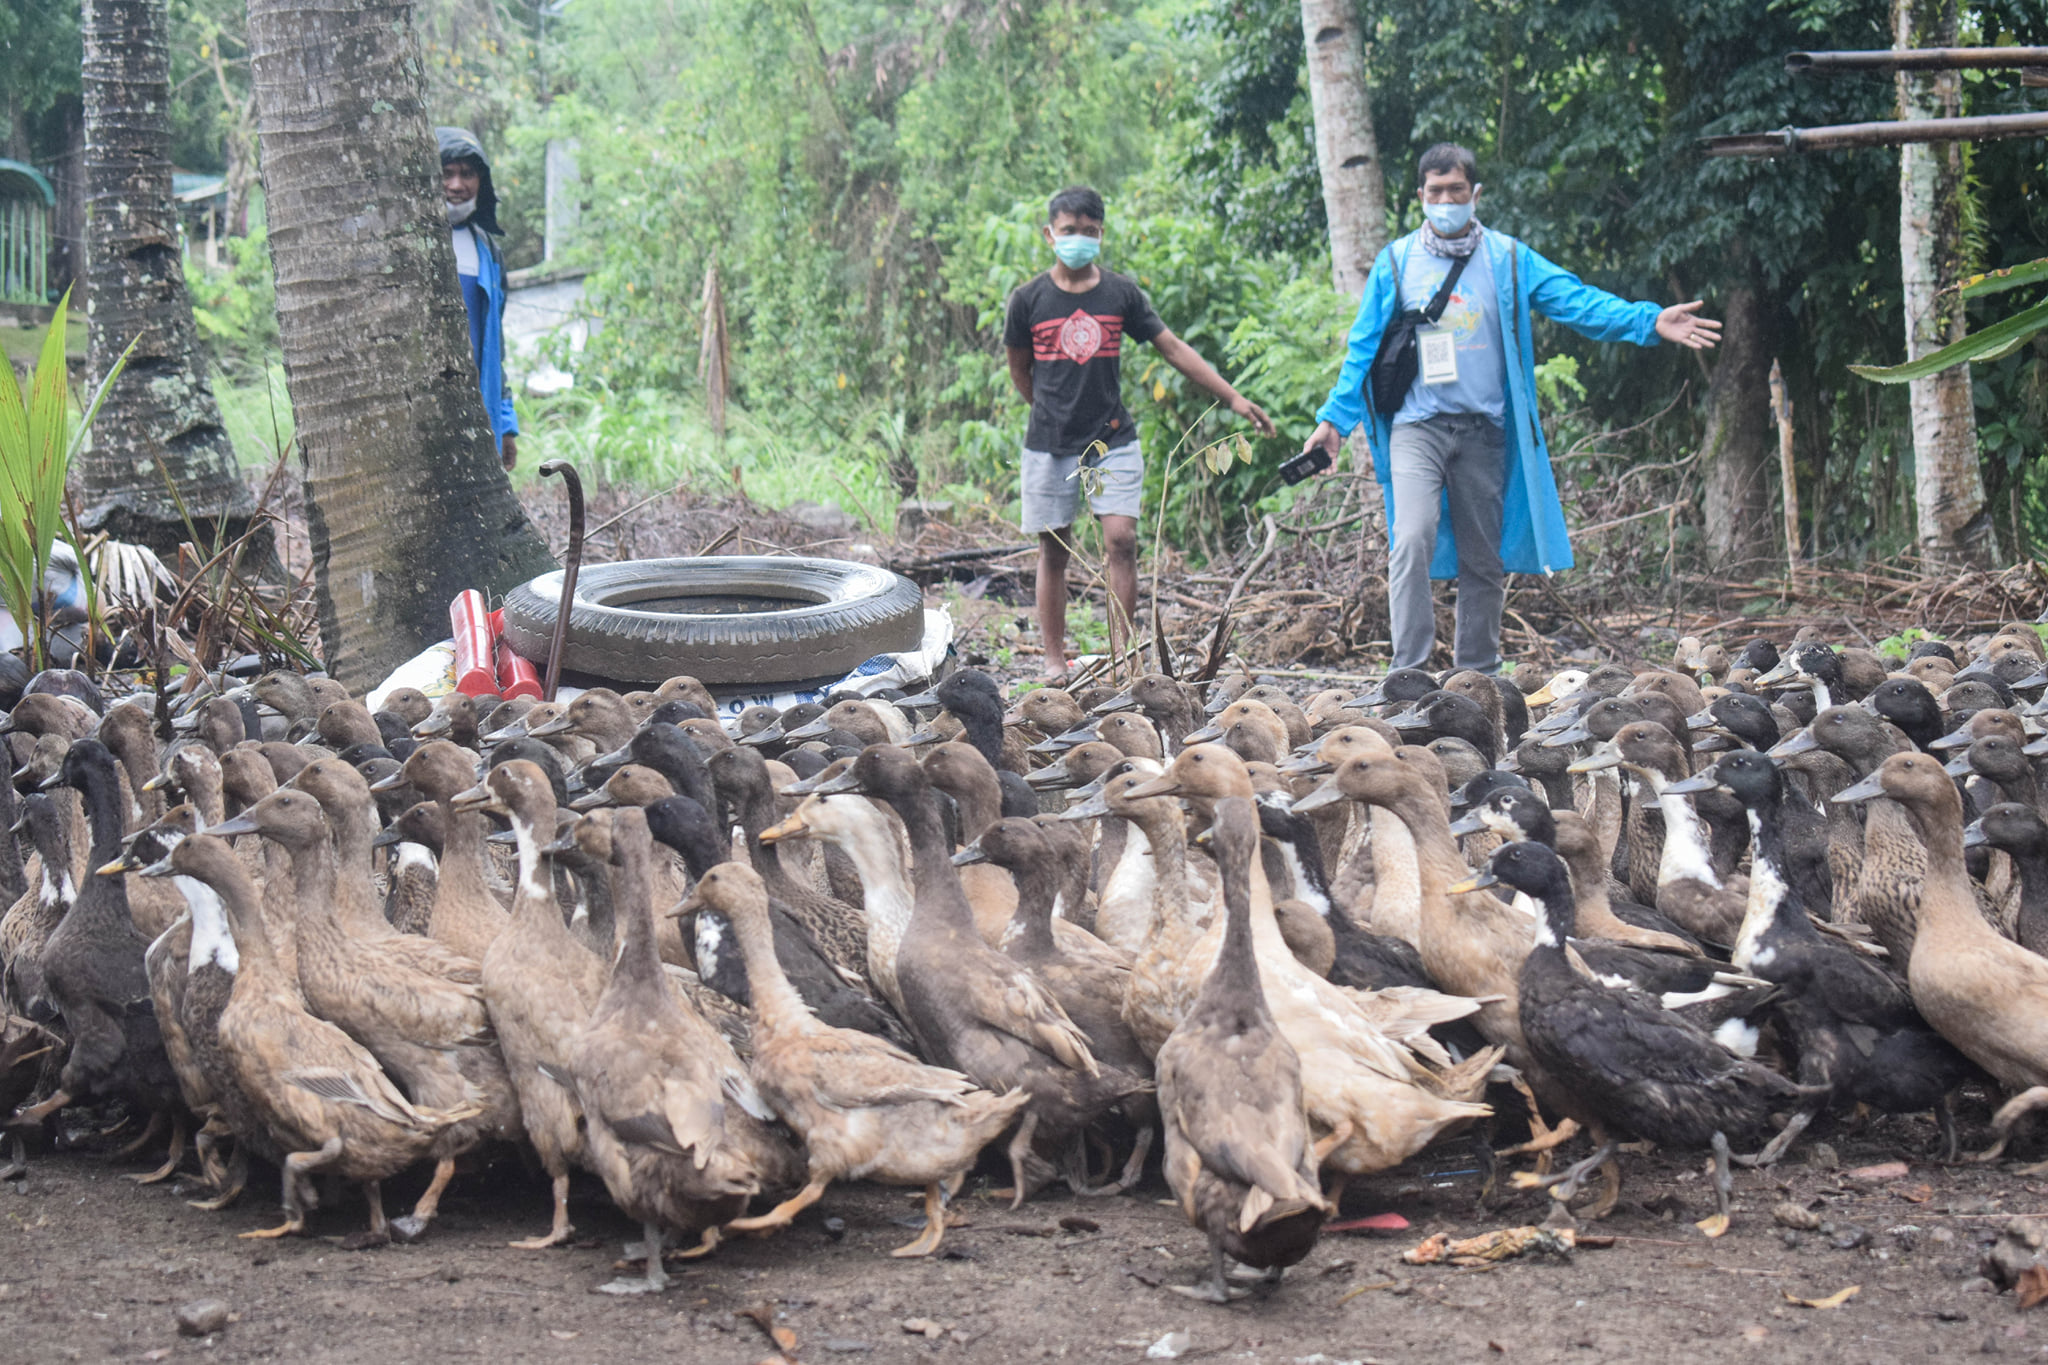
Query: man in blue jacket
(473, 220)
(1465, 438)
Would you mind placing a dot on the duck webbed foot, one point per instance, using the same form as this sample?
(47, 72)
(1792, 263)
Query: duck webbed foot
(935, 1200)
(17, 1158)
(1134, 1168)
(1724, 1184)
(230, 1184)
(171, 1159)
(1564, 1186)
(36, 1113)
(297, 1190)
(2009, 1114)
(1779, 1145)
(784, 1213)
(157, 1119)
(1215, 1289)
(413, 1226)
(561, 1231)
(378, 1234)
(656, 1279)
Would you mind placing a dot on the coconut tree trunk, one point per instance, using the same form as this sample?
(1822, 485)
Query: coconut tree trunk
(1955, 529)
(160, 419)
(1737, 444)
(1354, 193)
(406, 503)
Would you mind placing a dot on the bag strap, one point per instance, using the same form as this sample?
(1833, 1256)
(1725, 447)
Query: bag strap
(1443, 293)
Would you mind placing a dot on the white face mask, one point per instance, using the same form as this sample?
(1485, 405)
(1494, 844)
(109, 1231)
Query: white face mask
(458, 214)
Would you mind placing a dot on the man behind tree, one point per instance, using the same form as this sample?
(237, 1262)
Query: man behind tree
(1064, 333)
(472, 222)
(1465, 436)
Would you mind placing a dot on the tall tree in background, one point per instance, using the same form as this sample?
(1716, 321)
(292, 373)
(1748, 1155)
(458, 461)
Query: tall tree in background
(159, 421)
(1948, 484)
(1354, 191)
(405, 499)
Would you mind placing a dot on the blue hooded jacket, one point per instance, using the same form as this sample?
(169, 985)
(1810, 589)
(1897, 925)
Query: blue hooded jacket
(486, 314)
(1532, 532)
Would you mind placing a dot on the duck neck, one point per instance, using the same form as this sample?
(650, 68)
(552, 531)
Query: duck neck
(2030, 860)
(1166, 837)
(212, 942)
(985, 733)
(885, 896)
(1234, 980)
(639, 961)
(1773, 909)
(103, 815)
(1946, 898)
(1685, 855)
(352, 828)
(937, 886)
(776, 1002)
(980, 803)
(1553, 924)
(1032, 918)
(462, 857)
(256, 958)
(533, 898)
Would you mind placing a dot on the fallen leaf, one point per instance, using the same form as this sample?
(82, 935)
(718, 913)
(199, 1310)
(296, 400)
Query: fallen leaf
(2032, 1286)
(1367, 1289)
(1499, 1245)
(160, 1353)
(1755, 1333)
(1788, 1214)
(1595, 1241)
(1834, 1300)
(1496, 1347)
(560, 1335)
(1713, 1225)
(1916, 1194)
(1377, 1222)
(923, 1327)
(1074, 1222)
(1884, 1170)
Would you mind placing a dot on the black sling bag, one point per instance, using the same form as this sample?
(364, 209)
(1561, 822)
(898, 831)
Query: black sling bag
(1394, 368)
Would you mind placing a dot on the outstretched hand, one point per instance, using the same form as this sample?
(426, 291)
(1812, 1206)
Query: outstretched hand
(1682, 324)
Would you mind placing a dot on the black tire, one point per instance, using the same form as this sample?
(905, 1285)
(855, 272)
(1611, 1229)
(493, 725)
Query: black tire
(848, 613)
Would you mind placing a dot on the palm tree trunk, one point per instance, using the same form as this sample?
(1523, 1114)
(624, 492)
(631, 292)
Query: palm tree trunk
(1347, 154)
(160, 418)
(405, 500)
(1955, 527)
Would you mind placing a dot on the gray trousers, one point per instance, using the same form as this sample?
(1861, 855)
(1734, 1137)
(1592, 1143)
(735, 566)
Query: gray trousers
(1466, 455)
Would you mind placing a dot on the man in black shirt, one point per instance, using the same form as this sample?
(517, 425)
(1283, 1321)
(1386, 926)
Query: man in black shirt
(1064, 333)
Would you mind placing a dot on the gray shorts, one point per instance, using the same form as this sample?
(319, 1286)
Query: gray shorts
(1053, 484)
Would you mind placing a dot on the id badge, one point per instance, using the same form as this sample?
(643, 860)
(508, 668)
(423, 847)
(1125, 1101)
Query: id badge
(1437, 350)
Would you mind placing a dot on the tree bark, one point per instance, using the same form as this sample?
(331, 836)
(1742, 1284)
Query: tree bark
(1955, 527)
(1737, 446)
(1354, 192)
(406, 503)
(160, 417)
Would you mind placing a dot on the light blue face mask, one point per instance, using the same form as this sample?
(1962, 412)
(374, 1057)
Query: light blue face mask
(1448, 219)
(1076, 251)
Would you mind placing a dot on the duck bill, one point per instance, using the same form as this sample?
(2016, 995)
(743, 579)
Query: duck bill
(383, 838)
(687, 906)
(1409, 722)
(791, 827)
(1306, 765)
(1509, 763)
(390, 782)
(157, 783)
(592, 800)
(52, 782)
(1959, 738)
(159, 868)
(842, 785)
(1692, 786)
(617, 758)
(1469, 824)
(2031, 681)
(1205, 735)
(1607, 756)
(516, 730)
(925, 735)
(127, 862)
(1869, 789)
(1049, 778)
(1094, 807)
(1478, 881)
(1122, 701)
(1565, 738)
(431, 728)
(1959, 766)
(919, 702)
(477, 798)
(1702, 720)
(560, 725)
(1542, 696)
(1800, 742)
(1974, 835)
(1094, 788)
(1216, 706)
(2036, 748)
(970, 855)
(240, 824)
(811, 729)
(763, 737)
(1166, 784)
(1321, 797)
(1784, 671)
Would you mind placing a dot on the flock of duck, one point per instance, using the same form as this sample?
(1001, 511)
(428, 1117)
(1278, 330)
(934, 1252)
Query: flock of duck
(1699, 907)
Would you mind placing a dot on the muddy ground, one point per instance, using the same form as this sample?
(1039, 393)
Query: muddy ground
(94, 1267)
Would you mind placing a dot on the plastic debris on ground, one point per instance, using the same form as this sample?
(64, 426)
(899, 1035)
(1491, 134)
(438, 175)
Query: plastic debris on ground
(1501, 1245)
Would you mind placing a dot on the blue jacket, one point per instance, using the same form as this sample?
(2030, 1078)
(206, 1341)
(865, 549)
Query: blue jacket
(489, 339)
(1532, 533)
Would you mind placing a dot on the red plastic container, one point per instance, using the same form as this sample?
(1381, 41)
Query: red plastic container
(475, 643)
(516, 676)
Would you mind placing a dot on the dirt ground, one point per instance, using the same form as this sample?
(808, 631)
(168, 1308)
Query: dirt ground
(94, 1267)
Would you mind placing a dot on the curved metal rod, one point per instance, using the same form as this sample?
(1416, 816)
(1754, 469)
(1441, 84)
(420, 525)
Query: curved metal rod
(571, 562)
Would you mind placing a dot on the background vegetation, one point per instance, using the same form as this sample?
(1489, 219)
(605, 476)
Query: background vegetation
(867, 176)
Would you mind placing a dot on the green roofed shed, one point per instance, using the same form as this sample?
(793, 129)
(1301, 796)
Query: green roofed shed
(26, 200)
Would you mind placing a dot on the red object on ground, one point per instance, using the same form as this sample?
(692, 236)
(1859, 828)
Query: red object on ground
(470, 623)
(1378, 1222)
(517, 677)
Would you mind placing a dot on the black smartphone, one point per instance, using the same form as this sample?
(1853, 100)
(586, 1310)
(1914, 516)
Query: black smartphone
(1308, 463)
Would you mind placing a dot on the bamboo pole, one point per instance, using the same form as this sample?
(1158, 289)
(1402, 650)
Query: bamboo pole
(1921, 59)
(1781, 408)
(1785, 141)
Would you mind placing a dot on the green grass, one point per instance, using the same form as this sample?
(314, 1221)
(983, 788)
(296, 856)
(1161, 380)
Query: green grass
(648, 439)
(257, 412)
(23, 344)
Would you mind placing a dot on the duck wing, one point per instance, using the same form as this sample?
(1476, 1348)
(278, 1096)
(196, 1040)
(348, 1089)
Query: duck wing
(1005, 997)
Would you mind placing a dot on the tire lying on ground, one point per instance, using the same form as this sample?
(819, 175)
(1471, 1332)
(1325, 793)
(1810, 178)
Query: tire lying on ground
(723, 619)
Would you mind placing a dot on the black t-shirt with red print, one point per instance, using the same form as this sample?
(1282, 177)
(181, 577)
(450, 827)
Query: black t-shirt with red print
(1076, 343)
